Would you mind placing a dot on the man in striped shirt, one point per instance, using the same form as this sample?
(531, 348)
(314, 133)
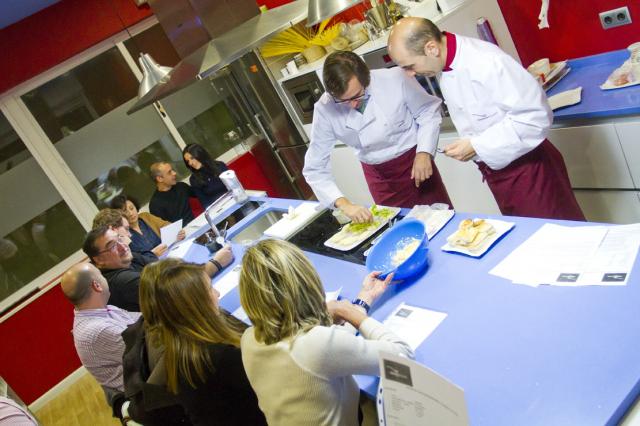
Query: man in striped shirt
(97, 327)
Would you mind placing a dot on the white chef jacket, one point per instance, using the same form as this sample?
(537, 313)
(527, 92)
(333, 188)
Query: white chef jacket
(399, 115)
(494, 102)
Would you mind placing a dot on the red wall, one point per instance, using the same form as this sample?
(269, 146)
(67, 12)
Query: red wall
(574, 31)
(37, 346)
(43, 40)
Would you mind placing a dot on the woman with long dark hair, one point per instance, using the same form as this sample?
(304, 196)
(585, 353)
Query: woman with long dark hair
(204, 173)
(201, 344)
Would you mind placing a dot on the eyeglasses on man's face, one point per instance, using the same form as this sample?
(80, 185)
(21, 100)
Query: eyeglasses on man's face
(113, 244)
(360, 96)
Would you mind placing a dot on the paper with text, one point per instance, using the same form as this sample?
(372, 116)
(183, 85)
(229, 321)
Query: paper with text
(413, 324)
(412, 394)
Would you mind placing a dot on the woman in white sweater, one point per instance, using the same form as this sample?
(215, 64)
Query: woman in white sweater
(298, 362)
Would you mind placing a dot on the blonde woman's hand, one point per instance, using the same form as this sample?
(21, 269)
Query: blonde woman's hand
(224, 256)
(181, 234)
(373, 288)
(343, 310)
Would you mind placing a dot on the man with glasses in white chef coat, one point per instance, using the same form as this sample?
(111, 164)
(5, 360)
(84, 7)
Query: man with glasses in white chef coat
(390, 122)
(501, 115)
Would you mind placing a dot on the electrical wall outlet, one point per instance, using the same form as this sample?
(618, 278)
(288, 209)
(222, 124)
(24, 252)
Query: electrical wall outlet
(615, 17)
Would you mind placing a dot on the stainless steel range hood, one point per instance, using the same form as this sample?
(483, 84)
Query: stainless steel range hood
(225, 49)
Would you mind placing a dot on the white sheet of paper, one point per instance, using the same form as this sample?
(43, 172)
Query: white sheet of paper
(413, 324)
(180, 250)
(415, 395)
(227, 282)
(332, 295)
(241, 315)
(573, 256)
(169, 233)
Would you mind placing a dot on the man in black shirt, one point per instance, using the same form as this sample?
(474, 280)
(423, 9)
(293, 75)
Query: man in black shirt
(170, 201)
(109, 251)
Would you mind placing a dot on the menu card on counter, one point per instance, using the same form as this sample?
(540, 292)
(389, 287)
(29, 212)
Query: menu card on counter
(413, 324)
(573, 256)
(411, 394)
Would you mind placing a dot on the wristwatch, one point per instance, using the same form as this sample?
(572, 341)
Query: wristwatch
(360, 302)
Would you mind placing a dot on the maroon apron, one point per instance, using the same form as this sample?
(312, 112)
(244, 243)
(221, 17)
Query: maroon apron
(390, 183)
(534, 185)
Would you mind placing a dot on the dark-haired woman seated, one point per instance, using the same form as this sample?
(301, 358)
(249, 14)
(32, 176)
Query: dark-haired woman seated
(201, 344)
(205, 172)
(144, 227)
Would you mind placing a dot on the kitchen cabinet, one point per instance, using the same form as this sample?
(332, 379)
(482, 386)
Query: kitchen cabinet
(593, 156)
(467, 190)
(629, 135)
(609, 205)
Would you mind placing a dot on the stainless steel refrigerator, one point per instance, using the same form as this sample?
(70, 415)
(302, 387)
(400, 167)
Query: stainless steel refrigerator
(262, 119)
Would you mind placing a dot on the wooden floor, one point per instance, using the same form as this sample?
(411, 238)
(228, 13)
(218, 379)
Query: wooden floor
(83, 403)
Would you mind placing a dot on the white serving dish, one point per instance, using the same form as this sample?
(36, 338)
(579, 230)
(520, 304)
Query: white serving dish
(501, 228)
(361, 237)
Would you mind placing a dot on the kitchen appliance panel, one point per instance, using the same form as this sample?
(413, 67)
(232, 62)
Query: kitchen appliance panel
(272, 168)
(312, 237)
(260, 94)
(303, 92)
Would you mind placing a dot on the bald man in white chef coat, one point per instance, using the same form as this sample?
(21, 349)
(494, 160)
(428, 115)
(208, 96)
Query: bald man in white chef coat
(501, 115)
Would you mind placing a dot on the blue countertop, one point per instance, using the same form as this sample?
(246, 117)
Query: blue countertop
(523, 355)
(590, 72)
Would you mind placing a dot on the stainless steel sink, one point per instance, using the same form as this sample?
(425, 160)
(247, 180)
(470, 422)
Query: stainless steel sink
(254, 231)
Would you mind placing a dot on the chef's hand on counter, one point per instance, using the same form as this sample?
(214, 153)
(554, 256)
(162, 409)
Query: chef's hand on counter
(356, 213)
(422, 168)
(461, 150)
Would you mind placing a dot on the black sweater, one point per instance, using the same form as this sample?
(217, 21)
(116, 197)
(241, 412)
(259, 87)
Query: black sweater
(226, 397)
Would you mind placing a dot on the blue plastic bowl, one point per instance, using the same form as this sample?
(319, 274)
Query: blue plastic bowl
(379, 259)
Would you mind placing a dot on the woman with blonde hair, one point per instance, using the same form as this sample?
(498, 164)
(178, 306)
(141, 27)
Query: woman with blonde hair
(299, 363)
(201, 344)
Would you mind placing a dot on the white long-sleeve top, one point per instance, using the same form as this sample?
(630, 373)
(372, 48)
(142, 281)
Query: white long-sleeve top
(310, 382)
(399, 115)
(494, 102)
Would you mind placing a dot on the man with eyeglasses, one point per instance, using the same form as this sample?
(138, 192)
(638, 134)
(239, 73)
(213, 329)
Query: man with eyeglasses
(390, 121)
(109, 252)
